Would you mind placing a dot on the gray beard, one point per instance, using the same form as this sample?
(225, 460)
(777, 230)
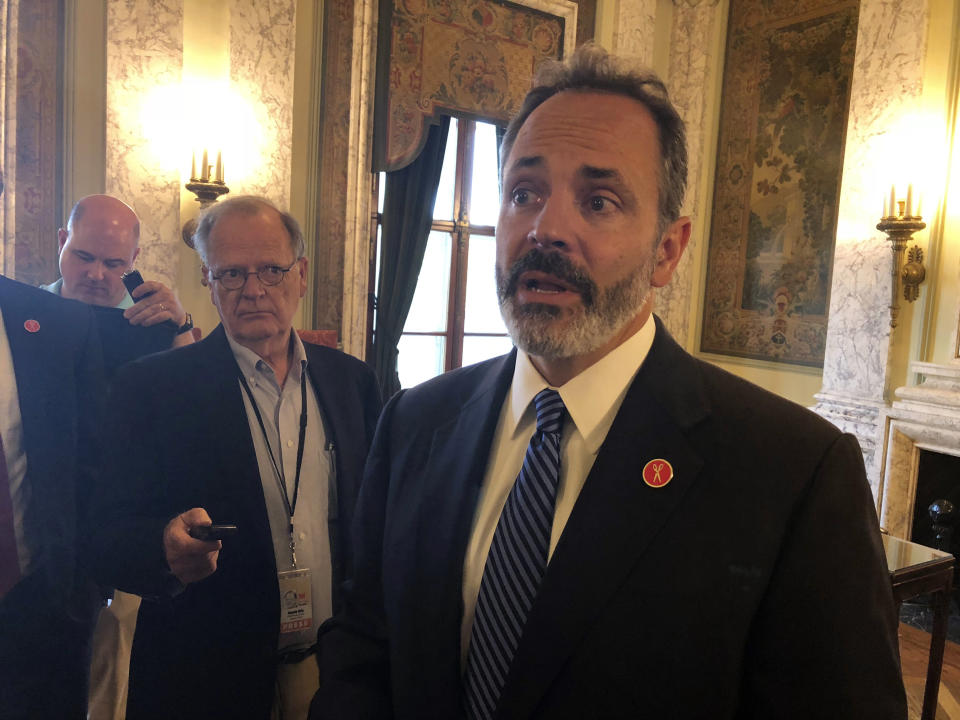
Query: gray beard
(549, 332)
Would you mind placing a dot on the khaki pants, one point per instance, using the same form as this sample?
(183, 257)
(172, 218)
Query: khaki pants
(110, 666)
(296, 685)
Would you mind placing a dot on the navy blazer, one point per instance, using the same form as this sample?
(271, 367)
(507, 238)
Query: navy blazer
(180, 439)
(60, 386)
(752, 585)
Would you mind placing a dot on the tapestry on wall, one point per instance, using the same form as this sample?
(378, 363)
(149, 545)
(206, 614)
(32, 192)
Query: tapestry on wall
(33, 177)
(472, 58)
(786, 92)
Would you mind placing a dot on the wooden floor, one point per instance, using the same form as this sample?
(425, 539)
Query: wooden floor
(914, 649)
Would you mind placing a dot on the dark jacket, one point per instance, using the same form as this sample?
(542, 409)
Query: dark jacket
(752, 585)
(180, 439)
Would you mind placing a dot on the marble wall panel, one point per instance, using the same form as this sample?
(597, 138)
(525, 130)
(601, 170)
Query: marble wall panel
(891, 46)
(634, 30)
(144, 52)
(690, 65)
(890, 54)
(262, 43)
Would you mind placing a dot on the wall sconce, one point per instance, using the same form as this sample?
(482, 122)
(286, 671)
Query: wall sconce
(899, 223)
(206, 189)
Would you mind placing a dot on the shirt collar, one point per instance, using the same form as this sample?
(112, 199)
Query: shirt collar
(57, 289)
(250, 363)
(593, 397)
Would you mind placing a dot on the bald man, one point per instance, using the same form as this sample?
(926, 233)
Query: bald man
(99, 245)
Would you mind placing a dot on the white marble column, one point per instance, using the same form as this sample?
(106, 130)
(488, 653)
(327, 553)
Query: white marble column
(144, 53)
(262, 44)
(693, 70)
(887, 80)
(634, 30)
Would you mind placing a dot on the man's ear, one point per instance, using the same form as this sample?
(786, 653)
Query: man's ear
(62, 236)
(670, 250)
(302, 269)
(205, 279)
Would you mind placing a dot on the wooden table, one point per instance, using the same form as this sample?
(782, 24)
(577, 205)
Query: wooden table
(915, 570)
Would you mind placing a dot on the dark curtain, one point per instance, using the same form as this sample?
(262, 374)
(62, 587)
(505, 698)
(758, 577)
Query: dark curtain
(408, 200)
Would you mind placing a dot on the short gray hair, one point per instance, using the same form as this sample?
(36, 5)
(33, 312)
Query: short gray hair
(591, 68)
(244, 205)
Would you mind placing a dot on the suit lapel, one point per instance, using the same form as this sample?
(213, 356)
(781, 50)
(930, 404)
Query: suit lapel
(453, 474)
(235, 479)
(614, 520)
(30, 356)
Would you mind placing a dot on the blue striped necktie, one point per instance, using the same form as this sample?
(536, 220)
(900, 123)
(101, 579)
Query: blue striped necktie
(516, 562)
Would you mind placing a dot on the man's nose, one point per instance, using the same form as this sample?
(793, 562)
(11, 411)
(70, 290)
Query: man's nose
(252, 287)
(552, 225)
(96, 271)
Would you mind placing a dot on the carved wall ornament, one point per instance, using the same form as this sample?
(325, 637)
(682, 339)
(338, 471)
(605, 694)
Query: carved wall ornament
(473, 59)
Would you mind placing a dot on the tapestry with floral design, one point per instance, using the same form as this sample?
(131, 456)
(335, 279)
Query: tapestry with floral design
(472, 58)
(786, 93)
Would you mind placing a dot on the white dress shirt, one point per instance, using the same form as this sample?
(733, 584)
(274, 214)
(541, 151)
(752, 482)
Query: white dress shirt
(592, 399)
(280, 412)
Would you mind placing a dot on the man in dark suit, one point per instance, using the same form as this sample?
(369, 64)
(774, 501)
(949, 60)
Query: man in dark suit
(50, 411)
(249, 427)
(673, 542)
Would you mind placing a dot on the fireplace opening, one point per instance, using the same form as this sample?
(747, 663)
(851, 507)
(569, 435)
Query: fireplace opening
(938, 480)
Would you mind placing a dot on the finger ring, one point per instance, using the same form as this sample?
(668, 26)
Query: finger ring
(162, 306)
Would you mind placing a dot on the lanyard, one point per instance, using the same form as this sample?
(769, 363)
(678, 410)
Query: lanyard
(289, 506)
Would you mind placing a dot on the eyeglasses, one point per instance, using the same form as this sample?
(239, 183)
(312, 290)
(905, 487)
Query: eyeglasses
(269, 275)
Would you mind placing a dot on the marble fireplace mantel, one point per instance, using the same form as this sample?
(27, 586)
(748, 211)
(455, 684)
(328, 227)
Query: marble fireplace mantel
(925, 416)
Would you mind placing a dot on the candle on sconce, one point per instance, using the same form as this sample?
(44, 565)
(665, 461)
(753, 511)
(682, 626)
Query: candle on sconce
(909, 212)
(205, 168)
(219, 174)
(193, 166)
(893, 201)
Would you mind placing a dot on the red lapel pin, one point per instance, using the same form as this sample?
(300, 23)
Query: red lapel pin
(657, 473)
(31, 325)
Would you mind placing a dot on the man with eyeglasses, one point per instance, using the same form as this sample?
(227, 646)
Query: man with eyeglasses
(252, 428)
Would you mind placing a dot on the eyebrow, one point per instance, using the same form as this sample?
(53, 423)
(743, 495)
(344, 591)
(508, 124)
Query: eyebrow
(590, 172)
(598, 173)
(527, 161)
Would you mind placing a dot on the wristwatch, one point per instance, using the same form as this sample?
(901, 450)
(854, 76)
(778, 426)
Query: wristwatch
(187, 325)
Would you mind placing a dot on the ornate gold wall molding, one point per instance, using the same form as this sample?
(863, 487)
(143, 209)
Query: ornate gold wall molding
(473, 59)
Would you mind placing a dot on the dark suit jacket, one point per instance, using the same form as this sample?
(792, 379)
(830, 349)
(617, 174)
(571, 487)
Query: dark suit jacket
(47, 617)
(180, 440)
(61, 394)
(753, 585)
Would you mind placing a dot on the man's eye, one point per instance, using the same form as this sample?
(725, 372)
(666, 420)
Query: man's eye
(522, 196)
(230, 274)
(600, 204)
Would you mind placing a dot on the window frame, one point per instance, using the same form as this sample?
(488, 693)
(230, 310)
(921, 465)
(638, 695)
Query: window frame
(460, 229)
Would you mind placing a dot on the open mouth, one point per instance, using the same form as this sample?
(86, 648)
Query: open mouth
(544, 284)
(549, 277)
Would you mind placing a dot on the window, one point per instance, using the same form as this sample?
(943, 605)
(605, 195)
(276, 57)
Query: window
(454, 319)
